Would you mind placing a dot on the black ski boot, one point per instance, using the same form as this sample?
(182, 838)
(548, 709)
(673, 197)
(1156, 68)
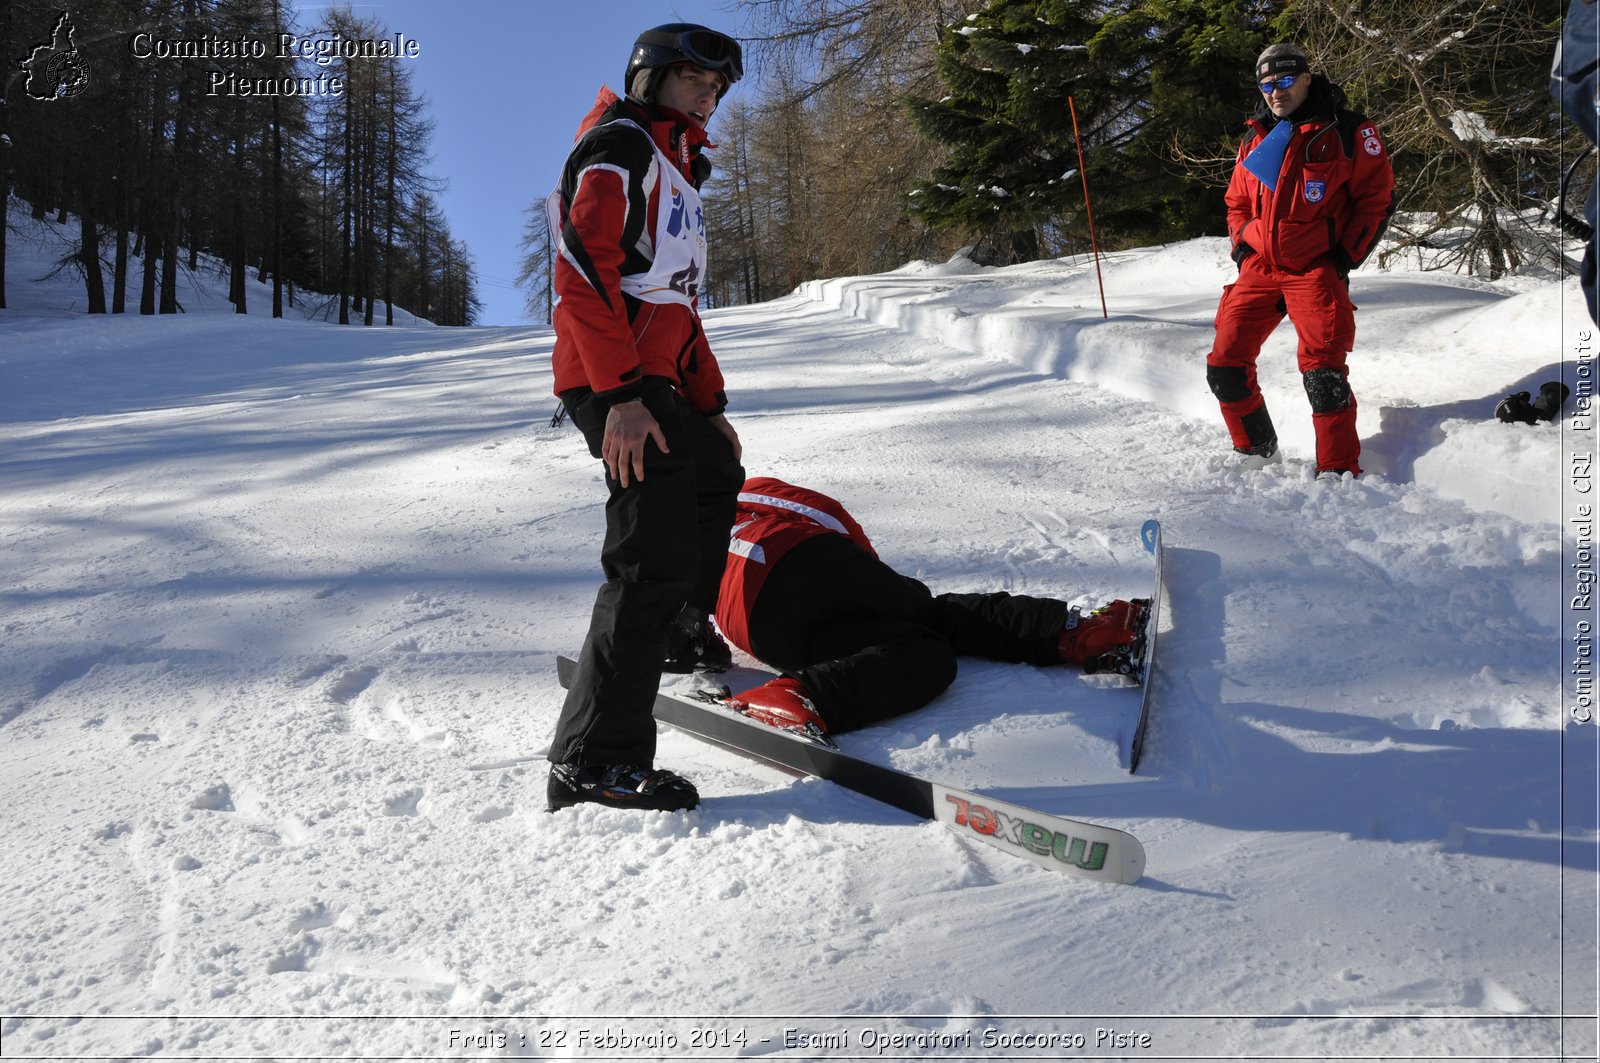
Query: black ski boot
(619, 786)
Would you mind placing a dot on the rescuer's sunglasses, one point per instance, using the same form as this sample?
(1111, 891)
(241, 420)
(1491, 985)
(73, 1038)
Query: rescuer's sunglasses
(1283, 84)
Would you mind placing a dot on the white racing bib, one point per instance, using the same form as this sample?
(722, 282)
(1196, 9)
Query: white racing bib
(676, 236)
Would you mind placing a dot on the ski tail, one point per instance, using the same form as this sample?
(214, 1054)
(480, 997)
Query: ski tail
(1054, 842)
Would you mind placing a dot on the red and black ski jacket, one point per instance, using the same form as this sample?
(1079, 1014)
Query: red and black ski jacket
(772, 518)
(629, 187)
(1335, 188)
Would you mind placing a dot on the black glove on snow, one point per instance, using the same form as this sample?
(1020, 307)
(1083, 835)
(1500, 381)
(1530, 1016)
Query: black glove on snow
(1518, 409)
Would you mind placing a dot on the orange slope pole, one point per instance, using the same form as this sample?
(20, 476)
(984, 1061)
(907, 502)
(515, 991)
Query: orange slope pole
(1088, 208)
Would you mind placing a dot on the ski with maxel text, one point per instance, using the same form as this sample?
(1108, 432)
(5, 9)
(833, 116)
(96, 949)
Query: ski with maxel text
(1150, 535)
(1072, 846)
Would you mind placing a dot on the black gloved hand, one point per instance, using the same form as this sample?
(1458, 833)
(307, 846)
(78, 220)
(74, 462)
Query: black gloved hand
(1551, 396)
(1342, 264)
(1515, 409)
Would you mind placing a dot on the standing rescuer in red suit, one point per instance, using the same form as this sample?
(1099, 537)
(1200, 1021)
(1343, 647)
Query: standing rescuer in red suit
(1311, 194)
(634, 370)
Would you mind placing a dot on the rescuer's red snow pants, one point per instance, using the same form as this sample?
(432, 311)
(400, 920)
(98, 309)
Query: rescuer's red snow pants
(1317, 302)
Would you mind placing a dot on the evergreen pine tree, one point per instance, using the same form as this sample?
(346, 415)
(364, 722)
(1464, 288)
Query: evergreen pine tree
(1192, 65)
(1156, 84)
(1012, 163)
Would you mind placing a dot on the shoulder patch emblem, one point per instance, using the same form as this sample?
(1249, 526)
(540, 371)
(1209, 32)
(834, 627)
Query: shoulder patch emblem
(1373, 145)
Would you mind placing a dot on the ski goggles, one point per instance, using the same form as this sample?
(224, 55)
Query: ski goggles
(706, 48)
(1284, 83)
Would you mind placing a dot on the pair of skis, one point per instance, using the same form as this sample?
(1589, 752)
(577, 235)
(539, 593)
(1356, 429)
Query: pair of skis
(1073, 846)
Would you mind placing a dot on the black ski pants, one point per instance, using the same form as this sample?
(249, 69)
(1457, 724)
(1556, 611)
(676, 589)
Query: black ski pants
(869, 643)
(666, 544)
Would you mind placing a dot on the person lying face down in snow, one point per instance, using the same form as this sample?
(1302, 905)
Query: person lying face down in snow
(805, 592)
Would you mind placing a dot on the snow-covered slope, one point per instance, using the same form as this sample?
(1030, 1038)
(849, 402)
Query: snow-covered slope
(281, 602)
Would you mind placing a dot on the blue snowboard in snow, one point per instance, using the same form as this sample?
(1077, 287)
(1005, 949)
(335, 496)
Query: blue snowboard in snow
(1150, 535)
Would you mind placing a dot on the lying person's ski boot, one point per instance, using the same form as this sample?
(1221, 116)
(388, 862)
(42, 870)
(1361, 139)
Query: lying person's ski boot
(1110, 639)
(785, 704)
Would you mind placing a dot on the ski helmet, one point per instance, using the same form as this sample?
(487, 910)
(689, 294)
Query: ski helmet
(685, 42)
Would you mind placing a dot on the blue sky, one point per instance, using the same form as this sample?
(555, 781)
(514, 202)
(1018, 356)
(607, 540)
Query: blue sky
(507, 84)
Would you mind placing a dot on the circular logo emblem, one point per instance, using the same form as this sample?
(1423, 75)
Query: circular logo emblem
(67, 74)
(1374, 146)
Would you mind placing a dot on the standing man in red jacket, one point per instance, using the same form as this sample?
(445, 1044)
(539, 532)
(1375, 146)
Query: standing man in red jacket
(1311, 193)
(633, 368)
